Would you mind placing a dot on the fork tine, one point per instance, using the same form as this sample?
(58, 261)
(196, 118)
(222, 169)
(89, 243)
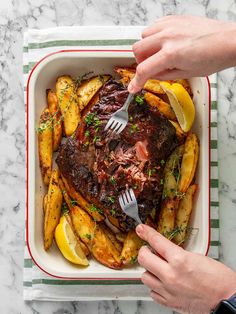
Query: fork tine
(109, 124)
(117, 129)
(113, 127)
(122, 202)
(125, 198)
(132, 195)
(123, 125)
(128, 196)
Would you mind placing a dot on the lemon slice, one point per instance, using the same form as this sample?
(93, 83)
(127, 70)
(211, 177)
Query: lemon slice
(181, 103)
(68, 243)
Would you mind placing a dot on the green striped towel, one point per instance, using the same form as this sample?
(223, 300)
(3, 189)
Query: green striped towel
(37, 284)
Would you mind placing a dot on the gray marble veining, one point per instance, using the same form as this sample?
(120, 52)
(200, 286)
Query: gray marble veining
(15, 17)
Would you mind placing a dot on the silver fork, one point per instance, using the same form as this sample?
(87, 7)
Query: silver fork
(129, 205)
(119, 119)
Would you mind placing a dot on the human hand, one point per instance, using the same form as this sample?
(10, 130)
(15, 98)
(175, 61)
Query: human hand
(182, 47)
(187, 282)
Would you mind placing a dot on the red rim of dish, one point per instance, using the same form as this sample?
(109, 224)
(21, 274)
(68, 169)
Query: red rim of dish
(27, 169)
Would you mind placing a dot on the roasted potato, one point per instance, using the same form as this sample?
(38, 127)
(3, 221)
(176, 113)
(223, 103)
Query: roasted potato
(170, 197)
(81, 243)
(189, 162)
(131, 247)
(183, 214)
(53, 209)
(161, 105)
(56, 118)
(112, 236)
(89, 88)
(121, 236)
(82, 202)
(68, 103)
(45, 145)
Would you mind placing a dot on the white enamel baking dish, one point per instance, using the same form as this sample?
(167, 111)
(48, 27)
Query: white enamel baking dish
(75, 63)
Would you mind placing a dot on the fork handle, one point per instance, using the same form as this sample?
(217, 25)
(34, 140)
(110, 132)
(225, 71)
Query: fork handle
(128, 101)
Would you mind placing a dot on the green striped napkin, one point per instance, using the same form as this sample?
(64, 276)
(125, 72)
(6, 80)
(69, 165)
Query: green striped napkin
(37, 284)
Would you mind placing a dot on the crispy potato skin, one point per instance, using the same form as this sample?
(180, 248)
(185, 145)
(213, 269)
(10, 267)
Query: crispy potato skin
(189, 162)
(53, 209)
(82, 201)
(89, 88)
(162, 106)
(183, 214)
(68, 103)
(45, 145)
(131, 247)
(93, 235)
(56, 116)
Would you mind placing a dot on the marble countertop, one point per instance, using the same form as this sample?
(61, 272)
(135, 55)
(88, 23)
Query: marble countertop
(15, 18)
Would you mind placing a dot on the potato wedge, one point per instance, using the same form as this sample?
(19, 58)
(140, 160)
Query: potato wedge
(161, 105)
(183, 214)
(170, 197)
(131, 247)
(89, 88)
(181, 135)
(93, 235)
(111, 235)
(68, 103)
(53, 209)
(104, 250)
(45, 145)
(81, 243)
(82, 202)
(56, 118)
(121, 236)
(189, 162)
(151, 85)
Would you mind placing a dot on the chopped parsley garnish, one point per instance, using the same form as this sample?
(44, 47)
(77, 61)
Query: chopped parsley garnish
(89, 119)
(96, 139)
(113, 180)
(64, 209)
(73, 202)
(93, 208)
(87, 133)
(111, 199)
(134, 259)
(161, 181)
(133, 128)
(73, 135)
(113, 211)
(162, 162)
(135, 186)
(150, 172)
(131, 118)
(139, 100)
(88, 236)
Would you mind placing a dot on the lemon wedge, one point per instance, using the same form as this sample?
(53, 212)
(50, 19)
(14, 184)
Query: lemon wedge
(181, 103)
(68, 243)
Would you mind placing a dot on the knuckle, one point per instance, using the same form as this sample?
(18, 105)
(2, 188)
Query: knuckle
(179, 259)
(170, 278)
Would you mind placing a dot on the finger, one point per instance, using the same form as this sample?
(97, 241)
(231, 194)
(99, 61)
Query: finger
(146, 47)
(158, 298)
(172, 75)
(153, 283)
(158, 242)
(147, 69)
(158, 26)
(153, 263)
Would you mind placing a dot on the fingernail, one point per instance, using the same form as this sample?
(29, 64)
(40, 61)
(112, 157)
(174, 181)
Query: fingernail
(139, 229)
